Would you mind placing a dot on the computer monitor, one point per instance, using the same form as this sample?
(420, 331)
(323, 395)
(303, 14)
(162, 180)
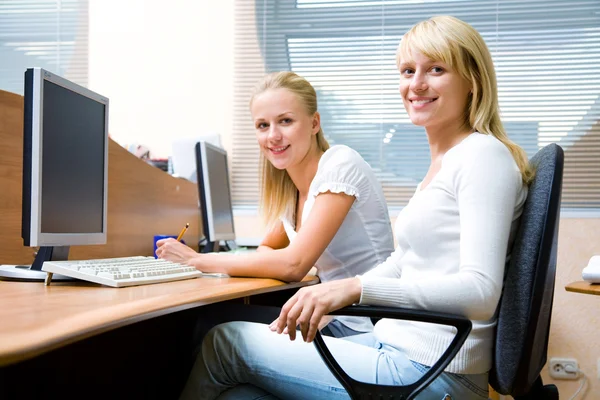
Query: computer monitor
(215, 196)
(183, 155)
(65, 169)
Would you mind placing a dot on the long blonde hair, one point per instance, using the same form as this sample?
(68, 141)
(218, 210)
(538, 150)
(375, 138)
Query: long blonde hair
(459, 45)
(278, 193)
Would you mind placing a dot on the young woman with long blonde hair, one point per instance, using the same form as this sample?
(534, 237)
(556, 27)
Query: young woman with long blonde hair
(323, 205)
(452, 244)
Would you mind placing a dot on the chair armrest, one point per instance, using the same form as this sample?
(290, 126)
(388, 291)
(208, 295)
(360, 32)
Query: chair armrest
(360, 390)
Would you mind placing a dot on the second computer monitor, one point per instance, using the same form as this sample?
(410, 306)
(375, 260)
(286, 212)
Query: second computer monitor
(215, 195)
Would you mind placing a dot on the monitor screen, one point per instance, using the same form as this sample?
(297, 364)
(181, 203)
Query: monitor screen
(65, 162)
(215, 194)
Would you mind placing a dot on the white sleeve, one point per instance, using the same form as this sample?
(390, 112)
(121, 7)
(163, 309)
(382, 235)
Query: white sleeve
(390, 268)
(343, 171)
(487, 185)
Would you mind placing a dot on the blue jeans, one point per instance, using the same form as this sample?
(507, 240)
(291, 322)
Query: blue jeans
(245, 360)
(215, 314)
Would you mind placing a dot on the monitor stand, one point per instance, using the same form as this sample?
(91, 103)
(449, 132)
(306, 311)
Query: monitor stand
(231, 245)
(34, 273)
(211, 247)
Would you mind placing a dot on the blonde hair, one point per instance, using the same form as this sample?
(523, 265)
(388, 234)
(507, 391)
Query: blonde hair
(459, 45)
(278, 193)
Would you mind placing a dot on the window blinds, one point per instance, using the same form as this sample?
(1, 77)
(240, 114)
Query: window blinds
(51, 34)
(546, 54)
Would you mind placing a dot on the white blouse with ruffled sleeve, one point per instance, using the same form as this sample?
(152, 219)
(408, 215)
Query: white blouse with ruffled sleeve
(365, 238)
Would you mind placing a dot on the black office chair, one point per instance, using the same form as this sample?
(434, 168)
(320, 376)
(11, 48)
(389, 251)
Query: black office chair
(524, 310)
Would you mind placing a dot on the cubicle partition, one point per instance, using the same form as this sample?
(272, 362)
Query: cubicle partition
(142, 200)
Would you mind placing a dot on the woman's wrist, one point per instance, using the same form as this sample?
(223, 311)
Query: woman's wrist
(356, 289)
(210, 263)
(196, 262)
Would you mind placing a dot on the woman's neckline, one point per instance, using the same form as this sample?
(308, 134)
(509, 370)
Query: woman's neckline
(419, 188)
(292, 221)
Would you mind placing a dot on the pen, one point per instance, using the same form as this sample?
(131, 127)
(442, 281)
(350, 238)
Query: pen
(183, 231)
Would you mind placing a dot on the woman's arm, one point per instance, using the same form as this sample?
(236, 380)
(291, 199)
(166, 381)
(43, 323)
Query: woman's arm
(391, 267)
(289, 264)
(487, 188)
(275, 239)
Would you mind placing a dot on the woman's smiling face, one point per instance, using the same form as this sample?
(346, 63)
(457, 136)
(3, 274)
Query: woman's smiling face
(284, 129)
(434, 95)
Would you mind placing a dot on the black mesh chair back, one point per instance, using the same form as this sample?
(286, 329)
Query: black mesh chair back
(526, 304)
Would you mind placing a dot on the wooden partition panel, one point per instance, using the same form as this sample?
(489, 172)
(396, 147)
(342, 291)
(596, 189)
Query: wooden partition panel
(142, 200)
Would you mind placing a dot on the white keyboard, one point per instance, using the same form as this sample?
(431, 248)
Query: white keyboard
(121, 272)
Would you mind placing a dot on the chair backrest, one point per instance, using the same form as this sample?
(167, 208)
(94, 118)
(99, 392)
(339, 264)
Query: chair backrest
(526, 303)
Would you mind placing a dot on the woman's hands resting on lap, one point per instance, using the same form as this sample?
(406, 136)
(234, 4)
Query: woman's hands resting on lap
(309, 305)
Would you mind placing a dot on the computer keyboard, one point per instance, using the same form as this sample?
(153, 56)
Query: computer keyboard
(121, 272)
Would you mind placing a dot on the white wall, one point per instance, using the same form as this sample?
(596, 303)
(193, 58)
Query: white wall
(166, 66)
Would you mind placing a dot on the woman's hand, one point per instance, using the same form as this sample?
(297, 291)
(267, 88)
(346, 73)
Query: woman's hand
(308, 306)
(326, 319)
(172, 250)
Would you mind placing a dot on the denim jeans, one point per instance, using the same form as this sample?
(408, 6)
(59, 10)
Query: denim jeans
(245, 360)
(215, 314)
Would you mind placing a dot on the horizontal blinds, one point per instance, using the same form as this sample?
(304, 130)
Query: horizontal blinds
(51, 34)
(545, 52)
(249, 67)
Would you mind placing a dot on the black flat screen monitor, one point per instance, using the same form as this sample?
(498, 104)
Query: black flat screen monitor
(215, 195)
(65, 169)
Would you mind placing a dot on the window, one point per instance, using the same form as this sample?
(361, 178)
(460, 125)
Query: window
(51, 34)
(546, 55)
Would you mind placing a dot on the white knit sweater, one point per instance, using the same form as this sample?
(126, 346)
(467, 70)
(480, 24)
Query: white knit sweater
(452, 248)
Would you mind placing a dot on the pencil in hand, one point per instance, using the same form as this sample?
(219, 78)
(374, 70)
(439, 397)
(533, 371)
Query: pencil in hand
(183, 231)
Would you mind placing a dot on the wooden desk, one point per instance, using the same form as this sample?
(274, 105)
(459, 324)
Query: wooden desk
(137, 340)
(583, 287)
(37, 318)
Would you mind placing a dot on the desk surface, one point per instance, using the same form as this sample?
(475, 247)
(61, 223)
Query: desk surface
(583, 287)
(37, 318)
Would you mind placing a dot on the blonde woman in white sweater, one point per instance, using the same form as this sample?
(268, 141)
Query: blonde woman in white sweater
(452, 240)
